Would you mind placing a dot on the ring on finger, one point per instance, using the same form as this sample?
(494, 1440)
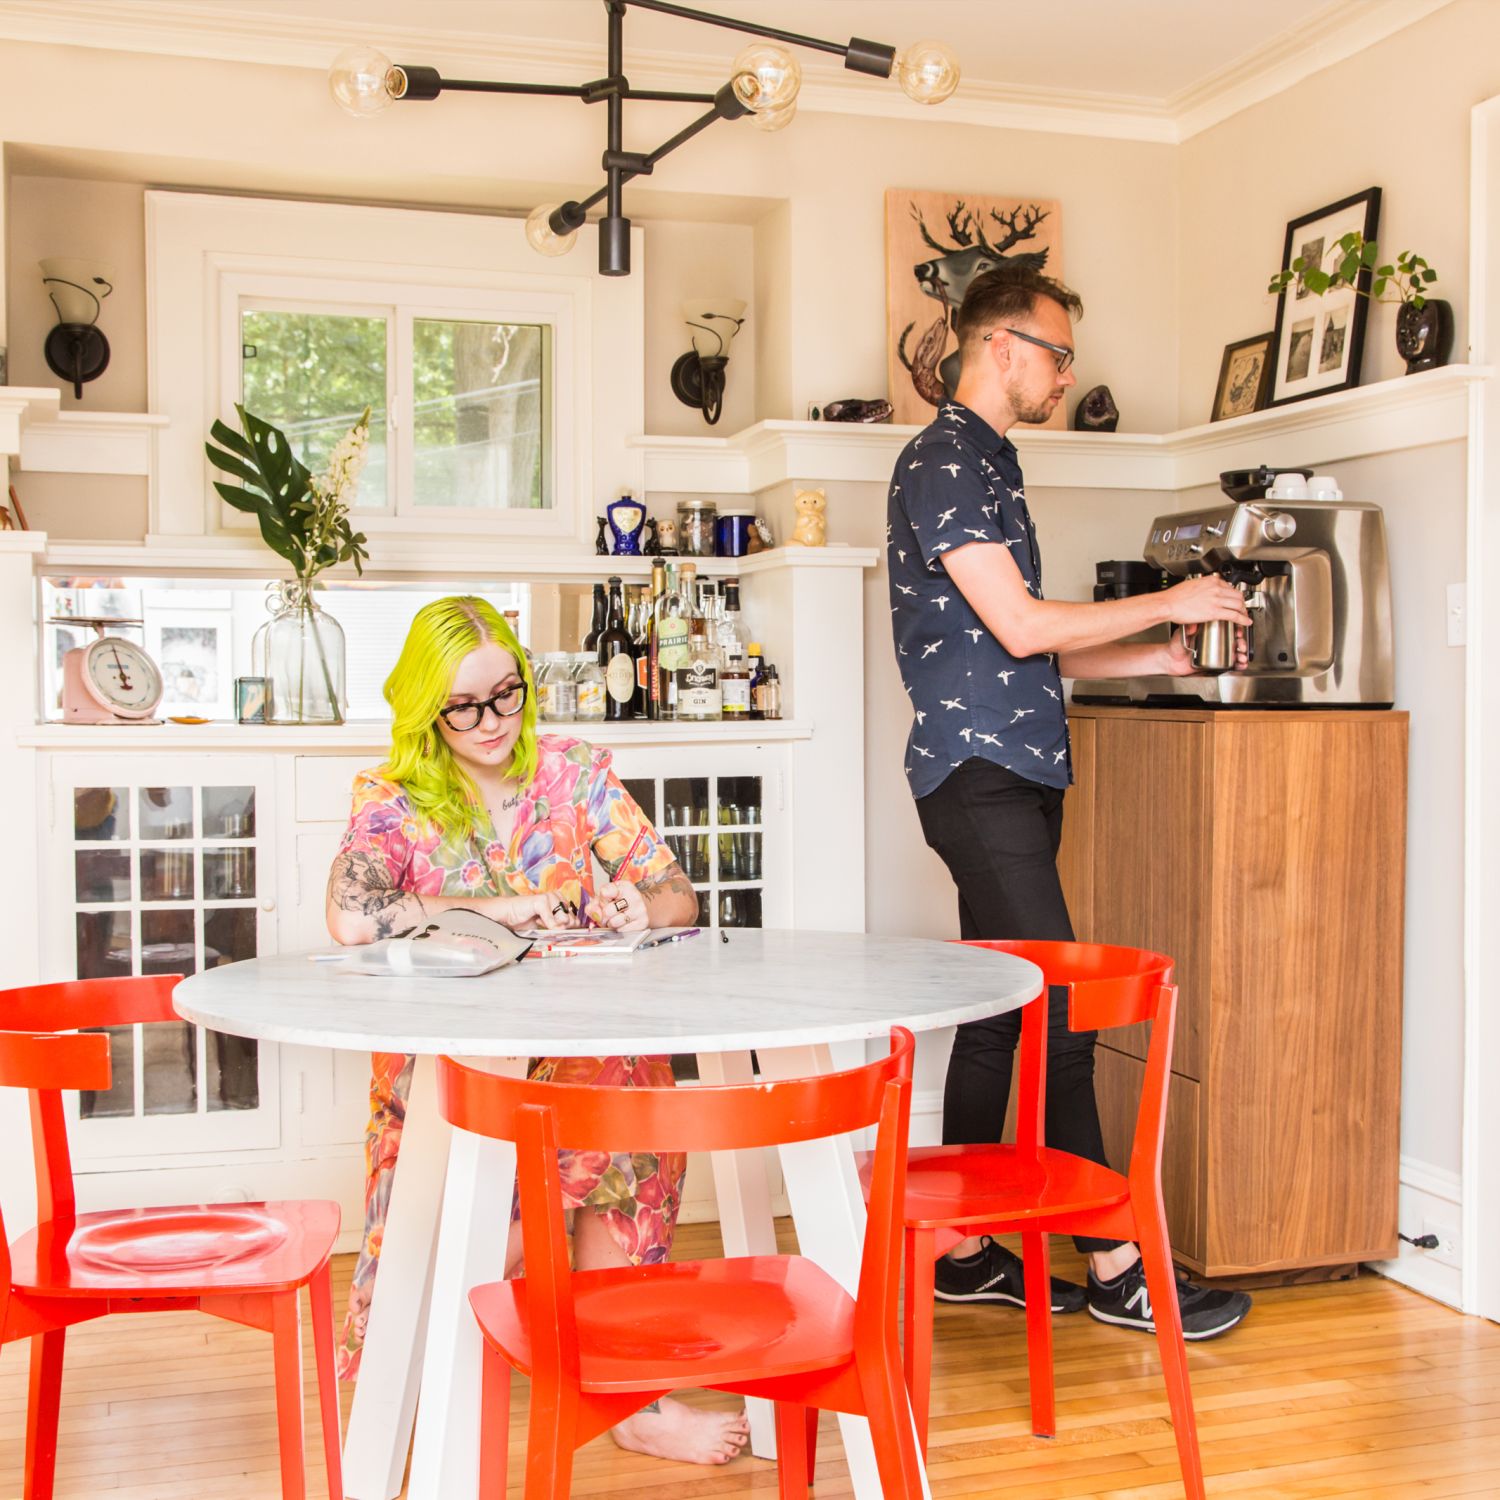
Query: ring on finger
(621, 905)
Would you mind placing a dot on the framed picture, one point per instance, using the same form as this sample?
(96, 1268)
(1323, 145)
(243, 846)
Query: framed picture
(1244, 377)
(935, 245)
(190, 635)
(1319, 340)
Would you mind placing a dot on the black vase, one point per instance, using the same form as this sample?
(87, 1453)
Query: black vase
(1424, 336)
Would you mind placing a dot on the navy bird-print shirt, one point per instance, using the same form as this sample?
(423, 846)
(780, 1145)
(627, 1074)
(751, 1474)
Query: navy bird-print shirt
(958, 483)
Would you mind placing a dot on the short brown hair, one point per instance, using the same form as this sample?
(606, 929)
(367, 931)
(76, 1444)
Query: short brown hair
(1005, 294)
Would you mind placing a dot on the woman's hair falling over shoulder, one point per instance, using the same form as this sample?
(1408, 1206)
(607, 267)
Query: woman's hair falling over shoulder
(441, 635)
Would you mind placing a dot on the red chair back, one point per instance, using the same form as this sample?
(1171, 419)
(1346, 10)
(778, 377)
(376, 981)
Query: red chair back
(71, 1006)
(540, 1117)
(1107, 986)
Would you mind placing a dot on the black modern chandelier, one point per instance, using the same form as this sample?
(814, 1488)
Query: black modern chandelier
(763, 83)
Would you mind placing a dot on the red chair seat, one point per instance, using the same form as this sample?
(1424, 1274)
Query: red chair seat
(959, 1185)
(690, 1323)
(196, 1251)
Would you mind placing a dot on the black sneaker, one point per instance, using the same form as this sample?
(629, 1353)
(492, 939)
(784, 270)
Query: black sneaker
(995, 1275)
(1207, 1312)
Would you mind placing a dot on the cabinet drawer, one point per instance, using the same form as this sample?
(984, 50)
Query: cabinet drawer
(1117, 1085)
(323, 784)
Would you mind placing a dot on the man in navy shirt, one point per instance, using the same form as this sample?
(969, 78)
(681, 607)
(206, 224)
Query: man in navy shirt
(982, 653)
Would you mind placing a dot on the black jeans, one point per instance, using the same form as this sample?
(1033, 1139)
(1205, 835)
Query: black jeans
(998, 834)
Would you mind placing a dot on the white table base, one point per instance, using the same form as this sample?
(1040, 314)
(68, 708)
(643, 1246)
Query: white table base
(420, 1309)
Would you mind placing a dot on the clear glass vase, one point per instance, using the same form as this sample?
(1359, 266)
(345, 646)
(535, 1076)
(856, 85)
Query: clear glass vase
(304, 658)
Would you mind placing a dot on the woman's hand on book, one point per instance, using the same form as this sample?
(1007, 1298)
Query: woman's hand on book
(541, 910)
(619, 905)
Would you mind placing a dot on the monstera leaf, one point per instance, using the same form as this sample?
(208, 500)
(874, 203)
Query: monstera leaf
(273, 484)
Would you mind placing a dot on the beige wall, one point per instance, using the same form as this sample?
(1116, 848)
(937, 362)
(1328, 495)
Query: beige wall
(1394, 117)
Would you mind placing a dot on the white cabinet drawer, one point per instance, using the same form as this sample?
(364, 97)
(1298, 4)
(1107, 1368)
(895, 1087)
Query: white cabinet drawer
(323, 785)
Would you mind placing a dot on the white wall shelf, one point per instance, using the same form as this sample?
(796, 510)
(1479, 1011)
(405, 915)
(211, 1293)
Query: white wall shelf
(374, 735)
(1391, 414)
(91, 442)
(390, 559)
(20, 405)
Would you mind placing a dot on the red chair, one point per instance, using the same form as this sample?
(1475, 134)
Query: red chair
(599, 1345)
(1029, 1188)
(244, 1262)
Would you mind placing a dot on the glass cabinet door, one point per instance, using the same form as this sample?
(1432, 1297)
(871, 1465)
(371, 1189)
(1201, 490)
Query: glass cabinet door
(161, 866)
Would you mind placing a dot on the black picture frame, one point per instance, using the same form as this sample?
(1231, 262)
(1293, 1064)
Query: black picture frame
(1319, 342)
(1231, 400)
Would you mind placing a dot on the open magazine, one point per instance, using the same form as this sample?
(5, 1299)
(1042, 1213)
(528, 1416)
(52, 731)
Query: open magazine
(456, 944)
(587, 942)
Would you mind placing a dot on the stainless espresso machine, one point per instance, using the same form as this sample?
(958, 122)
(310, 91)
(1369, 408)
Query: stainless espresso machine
(1316, 580)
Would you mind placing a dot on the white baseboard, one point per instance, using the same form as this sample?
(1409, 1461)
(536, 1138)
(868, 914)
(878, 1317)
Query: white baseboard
(1431, 1200)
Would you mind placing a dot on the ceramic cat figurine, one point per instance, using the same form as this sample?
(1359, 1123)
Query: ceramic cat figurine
(811, 529)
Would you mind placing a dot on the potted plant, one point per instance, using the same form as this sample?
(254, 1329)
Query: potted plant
(304, 518)
(1424, 325)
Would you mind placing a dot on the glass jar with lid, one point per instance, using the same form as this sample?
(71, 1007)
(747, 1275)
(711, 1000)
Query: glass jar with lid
(556, 692)
(696, 520)
(588, 675)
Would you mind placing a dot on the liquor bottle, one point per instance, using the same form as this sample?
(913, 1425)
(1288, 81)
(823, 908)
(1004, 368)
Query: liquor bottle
(757, 676)
(770, 694)
(706, 602)
(652, 684)
(674, 612)
(638, 624)
(731, 639)
(601, 619)
(698, 693)
(617, 657)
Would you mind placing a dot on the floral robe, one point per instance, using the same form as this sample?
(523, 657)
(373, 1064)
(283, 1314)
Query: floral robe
(574, 808)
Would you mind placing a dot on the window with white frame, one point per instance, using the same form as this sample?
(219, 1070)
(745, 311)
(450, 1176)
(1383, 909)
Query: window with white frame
(462, 401)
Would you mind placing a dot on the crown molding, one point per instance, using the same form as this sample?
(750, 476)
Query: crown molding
(185, 28)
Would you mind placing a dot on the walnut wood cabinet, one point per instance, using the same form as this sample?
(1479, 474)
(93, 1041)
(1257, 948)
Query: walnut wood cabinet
(1265, 852)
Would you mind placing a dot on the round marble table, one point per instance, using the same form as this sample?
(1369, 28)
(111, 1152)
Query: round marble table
(790, 996)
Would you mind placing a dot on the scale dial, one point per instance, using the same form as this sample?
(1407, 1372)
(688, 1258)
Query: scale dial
(120, 677)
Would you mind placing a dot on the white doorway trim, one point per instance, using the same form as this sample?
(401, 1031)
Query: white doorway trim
(1481, 1148)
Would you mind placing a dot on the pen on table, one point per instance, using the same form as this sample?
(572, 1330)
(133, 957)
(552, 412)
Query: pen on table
(672, 937)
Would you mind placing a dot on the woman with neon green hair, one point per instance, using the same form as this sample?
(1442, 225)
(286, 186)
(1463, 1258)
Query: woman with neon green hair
(473, 808)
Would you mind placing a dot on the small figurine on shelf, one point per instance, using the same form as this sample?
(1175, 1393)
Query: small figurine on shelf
(668, 533)
(811, 529)
(653, 541)
(626, 518)
(601, 546)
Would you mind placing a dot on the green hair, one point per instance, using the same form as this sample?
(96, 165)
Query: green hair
(442, 633)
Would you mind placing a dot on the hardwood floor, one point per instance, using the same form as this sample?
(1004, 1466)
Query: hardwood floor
(1355, 1389)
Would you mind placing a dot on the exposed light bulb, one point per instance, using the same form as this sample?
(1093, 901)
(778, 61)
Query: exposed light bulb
(542, 237)
(928, 72)
(774, 119)
(362, 80)
(766, 77)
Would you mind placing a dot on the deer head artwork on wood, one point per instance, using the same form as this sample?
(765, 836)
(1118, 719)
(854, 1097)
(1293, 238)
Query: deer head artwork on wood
(979, 234)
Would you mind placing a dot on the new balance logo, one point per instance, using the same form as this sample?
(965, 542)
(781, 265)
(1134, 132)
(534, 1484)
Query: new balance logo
(1140, 1296)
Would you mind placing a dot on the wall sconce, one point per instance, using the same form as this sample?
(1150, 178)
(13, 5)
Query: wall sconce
(76, 350)
(698, 375)
(763, 83)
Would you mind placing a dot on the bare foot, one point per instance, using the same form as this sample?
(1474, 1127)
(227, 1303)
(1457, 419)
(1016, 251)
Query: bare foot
(681, 1432)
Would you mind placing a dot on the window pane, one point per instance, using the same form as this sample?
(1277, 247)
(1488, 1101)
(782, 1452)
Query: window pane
(103, 944)
(169, 1080)
(739, 909)
(166, 812)
(233, 1081)
(166, 875)
(311, 375)
(102, 874)
(228, 935)
(228, 873)
(167, 942)
(101, 812)
(684, 802)
(120, 1099)
(739, 856)
(739, 799)
(479, 420)
(229, 812)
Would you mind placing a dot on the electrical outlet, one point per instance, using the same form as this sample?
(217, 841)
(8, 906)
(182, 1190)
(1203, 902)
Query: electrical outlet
(1449, 1251)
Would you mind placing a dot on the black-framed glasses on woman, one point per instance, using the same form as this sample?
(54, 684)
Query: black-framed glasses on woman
(507, 703)
(1064, 357)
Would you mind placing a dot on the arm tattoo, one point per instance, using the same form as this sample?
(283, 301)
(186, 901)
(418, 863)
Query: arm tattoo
(670, 880)
(362, 883)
